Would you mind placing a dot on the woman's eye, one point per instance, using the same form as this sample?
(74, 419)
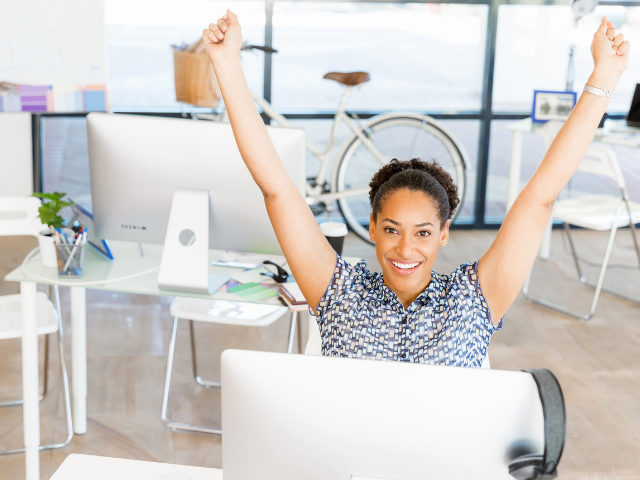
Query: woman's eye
(424, 233)
(390, 230)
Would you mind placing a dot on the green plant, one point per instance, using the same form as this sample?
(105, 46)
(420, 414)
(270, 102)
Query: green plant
(49, 211)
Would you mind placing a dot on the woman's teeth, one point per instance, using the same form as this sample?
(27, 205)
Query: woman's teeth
(406, 266)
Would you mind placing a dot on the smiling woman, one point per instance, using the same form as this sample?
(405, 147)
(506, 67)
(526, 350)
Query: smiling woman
(412, 202)
(410, 313)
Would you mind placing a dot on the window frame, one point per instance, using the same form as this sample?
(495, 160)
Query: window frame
(485, 115)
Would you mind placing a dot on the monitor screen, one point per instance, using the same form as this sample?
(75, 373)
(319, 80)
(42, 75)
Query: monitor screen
(64, 158)
(633, 118)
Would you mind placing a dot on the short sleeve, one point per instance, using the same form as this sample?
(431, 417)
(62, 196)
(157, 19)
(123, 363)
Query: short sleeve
(468, 281)
(344, 279)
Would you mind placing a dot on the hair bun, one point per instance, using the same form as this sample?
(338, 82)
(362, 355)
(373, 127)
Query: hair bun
(432, 168)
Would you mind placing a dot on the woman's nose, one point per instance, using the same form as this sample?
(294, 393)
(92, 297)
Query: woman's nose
(405, 246)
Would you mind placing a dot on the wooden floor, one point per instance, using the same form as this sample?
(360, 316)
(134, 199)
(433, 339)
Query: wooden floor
(597, 363)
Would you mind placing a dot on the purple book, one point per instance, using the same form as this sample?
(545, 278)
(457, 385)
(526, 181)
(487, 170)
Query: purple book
(34, 97)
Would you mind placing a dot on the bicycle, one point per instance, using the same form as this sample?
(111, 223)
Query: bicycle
(372, 143)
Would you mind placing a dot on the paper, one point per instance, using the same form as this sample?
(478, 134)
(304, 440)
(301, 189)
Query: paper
(266, 293)
(630, 139)
(256, 258)
(253, 291)
(253, 276)
(241, 288)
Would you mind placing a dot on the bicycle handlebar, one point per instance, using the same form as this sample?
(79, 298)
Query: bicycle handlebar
(265, 49)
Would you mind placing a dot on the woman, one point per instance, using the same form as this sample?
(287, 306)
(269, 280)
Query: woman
(410, 313)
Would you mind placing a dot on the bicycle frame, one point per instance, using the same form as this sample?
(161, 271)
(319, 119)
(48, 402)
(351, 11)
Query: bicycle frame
(315, 193)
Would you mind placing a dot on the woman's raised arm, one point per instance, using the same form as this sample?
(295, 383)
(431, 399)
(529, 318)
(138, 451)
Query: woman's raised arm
(309, 255)
(504, 267)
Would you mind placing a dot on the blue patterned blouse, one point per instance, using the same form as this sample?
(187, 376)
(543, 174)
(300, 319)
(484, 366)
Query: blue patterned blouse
(449, 323)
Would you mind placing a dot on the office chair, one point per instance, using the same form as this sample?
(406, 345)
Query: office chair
(593, 212)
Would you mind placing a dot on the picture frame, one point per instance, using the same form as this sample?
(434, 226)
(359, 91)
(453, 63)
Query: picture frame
(550, 105)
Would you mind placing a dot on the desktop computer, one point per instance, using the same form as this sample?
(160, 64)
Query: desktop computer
(182, 184)
(137, 163)
(291, 417)
(633, 117)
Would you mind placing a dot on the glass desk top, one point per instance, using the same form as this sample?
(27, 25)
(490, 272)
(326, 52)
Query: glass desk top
(129, 261)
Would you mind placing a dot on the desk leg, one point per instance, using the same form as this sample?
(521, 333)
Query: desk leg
(30, 384)
(292, 331)
(545, 245)
(79, 358)
(515, 165)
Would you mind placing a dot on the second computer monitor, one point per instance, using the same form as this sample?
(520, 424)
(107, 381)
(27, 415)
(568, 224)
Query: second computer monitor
(137, 162)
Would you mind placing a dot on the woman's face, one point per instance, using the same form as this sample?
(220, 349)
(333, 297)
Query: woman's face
(407, 235)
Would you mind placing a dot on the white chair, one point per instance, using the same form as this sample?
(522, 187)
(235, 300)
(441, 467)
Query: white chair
(220, 312)
(599, 213)
(18, 216)
(314, 344)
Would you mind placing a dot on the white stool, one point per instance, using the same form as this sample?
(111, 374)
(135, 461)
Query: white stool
(220, 312)
(49, 321)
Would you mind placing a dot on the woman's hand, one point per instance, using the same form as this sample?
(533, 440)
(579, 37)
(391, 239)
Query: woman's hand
(223, 37)
(610, 51)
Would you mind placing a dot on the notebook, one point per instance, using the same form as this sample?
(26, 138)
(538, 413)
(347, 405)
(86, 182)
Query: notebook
(293, 293)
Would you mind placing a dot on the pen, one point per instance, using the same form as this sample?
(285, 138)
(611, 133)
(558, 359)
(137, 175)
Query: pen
(75, 247)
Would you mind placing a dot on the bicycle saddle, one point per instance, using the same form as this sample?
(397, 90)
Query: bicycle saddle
(348, 79)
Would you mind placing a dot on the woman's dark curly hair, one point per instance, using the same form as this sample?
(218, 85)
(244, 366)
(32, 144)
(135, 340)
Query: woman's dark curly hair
(417, 176)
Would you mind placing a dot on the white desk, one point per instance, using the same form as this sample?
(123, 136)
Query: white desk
(83, 467)
(128, 260)
(526, 125)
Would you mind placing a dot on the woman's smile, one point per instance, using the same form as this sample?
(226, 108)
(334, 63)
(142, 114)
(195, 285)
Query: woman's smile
(404, 267)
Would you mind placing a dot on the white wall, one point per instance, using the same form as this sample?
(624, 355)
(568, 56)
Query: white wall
(45, 42)
(16, 158)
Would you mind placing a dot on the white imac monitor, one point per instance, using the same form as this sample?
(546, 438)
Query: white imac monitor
(292, 417)
(137, 162)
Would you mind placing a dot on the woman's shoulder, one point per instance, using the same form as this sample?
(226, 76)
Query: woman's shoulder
(463, 279)
(355, 273)
(349, 282)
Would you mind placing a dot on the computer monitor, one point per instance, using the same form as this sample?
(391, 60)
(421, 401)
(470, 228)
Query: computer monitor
(137, 162)
(316, 418)
(633, 119)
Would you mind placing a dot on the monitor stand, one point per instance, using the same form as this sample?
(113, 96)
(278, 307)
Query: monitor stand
(185, 257)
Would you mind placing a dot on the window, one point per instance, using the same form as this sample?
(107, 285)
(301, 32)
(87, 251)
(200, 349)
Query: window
(420, 56)
(532, 52)
(139, 38)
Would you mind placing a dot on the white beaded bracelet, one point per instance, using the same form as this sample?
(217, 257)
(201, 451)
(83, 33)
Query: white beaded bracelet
(597, 91)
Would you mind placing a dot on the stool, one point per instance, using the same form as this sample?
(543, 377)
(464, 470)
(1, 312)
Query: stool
(221, 312)
(49, 321)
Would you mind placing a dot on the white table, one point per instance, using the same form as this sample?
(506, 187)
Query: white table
(128, 260)
(526, 125)
(83, 467)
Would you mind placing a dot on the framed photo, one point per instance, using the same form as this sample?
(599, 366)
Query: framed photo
(552, 105)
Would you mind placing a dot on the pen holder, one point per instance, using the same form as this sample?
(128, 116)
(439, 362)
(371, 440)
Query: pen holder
(70, 259)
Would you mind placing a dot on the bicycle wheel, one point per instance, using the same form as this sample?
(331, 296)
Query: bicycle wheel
(400, 137)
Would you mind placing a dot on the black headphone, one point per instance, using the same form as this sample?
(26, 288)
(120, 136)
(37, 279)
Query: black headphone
(535, 466)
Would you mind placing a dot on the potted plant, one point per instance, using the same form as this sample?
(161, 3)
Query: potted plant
(49, 214)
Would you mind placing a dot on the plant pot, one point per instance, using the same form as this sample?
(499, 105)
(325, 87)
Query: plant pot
(47, 249)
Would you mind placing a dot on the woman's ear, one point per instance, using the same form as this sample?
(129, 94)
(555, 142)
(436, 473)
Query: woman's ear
(444, 234)
(372, 228)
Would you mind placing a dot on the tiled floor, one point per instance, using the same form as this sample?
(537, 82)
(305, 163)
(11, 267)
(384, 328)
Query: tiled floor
(597, 363)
